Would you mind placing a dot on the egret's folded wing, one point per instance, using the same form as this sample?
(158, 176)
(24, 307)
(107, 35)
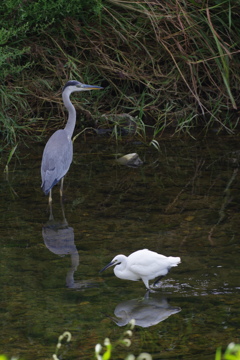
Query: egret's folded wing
(148, 269)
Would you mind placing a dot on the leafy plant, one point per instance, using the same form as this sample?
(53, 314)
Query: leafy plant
(66, 335)
(123, 340)
(231, 353)
(171, 64)
(105, 352)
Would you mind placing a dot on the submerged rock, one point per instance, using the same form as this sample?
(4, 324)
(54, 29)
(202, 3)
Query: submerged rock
(131, 160)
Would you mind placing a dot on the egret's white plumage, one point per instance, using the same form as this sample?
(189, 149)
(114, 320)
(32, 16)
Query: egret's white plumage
(142, 264)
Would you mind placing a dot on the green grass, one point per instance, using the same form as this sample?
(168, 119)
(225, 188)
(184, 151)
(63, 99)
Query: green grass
(166, 64)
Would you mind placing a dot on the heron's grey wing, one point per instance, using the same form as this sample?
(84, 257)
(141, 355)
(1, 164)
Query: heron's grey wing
(56, 160)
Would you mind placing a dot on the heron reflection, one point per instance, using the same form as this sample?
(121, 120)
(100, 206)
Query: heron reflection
(146, 312)
(58, 237)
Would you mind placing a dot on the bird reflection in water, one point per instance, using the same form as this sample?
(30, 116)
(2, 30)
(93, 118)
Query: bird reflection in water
(59, 239)
(146, 312)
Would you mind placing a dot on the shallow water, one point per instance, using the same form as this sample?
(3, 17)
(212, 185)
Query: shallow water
(183, 201)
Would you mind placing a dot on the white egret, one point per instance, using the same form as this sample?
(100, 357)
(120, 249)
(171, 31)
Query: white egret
(142, 264)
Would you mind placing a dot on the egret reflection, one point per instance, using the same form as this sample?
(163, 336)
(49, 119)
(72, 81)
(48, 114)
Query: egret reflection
(146, 312)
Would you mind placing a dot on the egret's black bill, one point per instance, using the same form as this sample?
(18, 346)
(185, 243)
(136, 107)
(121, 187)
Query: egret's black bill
(107, 266)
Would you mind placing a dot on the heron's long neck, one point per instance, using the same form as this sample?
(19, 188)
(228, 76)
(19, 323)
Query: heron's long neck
(71, 114)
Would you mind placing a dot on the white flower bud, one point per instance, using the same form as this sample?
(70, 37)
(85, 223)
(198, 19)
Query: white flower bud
(132, 324)
(126, 342)
(98, 348)
(128, 332)
(107, 342)
(130, 357)
(144, 356)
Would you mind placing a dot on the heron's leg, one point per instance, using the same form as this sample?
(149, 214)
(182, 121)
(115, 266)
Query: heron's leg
(61, 187)
(50, 197)
(63, 211)
(61, 201)
(50, 205)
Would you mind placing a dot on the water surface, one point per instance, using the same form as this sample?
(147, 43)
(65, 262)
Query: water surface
(183, 201)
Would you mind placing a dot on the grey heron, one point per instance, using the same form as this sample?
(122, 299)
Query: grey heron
(58, 152)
